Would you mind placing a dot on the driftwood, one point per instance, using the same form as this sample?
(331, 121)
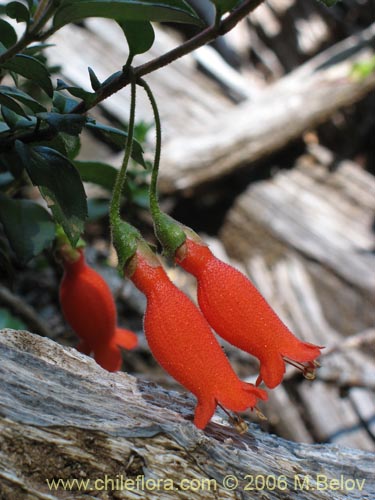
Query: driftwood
(280, 113)
(63, 417)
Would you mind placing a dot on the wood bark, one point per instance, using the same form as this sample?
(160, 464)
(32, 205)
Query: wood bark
(62, 416)
(323, 210)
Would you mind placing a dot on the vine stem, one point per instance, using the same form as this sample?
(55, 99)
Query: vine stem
(114, 213)
(153, 192)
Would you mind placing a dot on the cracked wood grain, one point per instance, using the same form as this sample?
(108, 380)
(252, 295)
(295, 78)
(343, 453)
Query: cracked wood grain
(62, 416)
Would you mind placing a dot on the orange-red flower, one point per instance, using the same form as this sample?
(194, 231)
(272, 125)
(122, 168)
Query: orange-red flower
(184, 345)
(238, 313)
(89, 308)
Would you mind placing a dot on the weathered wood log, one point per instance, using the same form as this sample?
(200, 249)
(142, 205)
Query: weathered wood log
(345, 385)
(280, 113)
(339, 411)
(323, 213)
(63, 417)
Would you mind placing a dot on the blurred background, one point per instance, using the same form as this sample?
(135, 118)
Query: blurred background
(268, 153)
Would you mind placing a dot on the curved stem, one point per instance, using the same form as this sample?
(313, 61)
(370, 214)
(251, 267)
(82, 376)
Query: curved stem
(114, 213)
(153, 193)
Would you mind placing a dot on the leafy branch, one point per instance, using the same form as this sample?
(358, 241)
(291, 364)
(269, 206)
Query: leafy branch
(43, 13)
(120, 81)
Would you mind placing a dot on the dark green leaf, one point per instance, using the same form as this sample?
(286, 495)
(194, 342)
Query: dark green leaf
(8, 36)
(10, 103)
(22, 97)
(32, 69)
(139, 35)
(3, 127)
(28, 227)
(126, 10)
(35, 49)
(99, 173)
(67, 145)
(72, 145)
(18, 11)
(95, 83)
(61, 186)
(12, 162)
(87, 97)
(224, 6)
(10, 117)
(62, 103)
(15, 121)
(118, 137)
(112, 77)
(71, 124)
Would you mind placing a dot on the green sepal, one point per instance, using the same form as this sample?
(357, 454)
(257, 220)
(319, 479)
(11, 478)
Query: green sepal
(169, 232)
(62, 238)
(125, 238)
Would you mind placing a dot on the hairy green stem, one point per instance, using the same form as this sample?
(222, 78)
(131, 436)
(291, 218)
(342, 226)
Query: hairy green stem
(153, 192)
(168, 231)
(114, 213)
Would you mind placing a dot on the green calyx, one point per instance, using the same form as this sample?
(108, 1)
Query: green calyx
(169, 232)
(125, 239)
(64, 248)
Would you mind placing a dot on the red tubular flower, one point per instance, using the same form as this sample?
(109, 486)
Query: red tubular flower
(89, 308)
(184, 345)
(238, 313)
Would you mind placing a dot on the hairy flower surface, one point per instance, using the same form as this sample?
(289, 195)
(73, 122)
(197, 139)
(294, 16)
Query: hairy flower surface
(239, 313)
(89, 308)
(184, 345)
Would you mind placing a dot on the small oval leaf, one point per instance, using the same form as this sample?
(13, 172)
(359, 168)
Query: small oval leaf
(94, 80)
(8, 36)
(18, 11)
(22, 97)
(61, 186)
(10, 103)
(71, 124)
(102, 174)
(32, 69)
(139, 35)
(127, 10)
